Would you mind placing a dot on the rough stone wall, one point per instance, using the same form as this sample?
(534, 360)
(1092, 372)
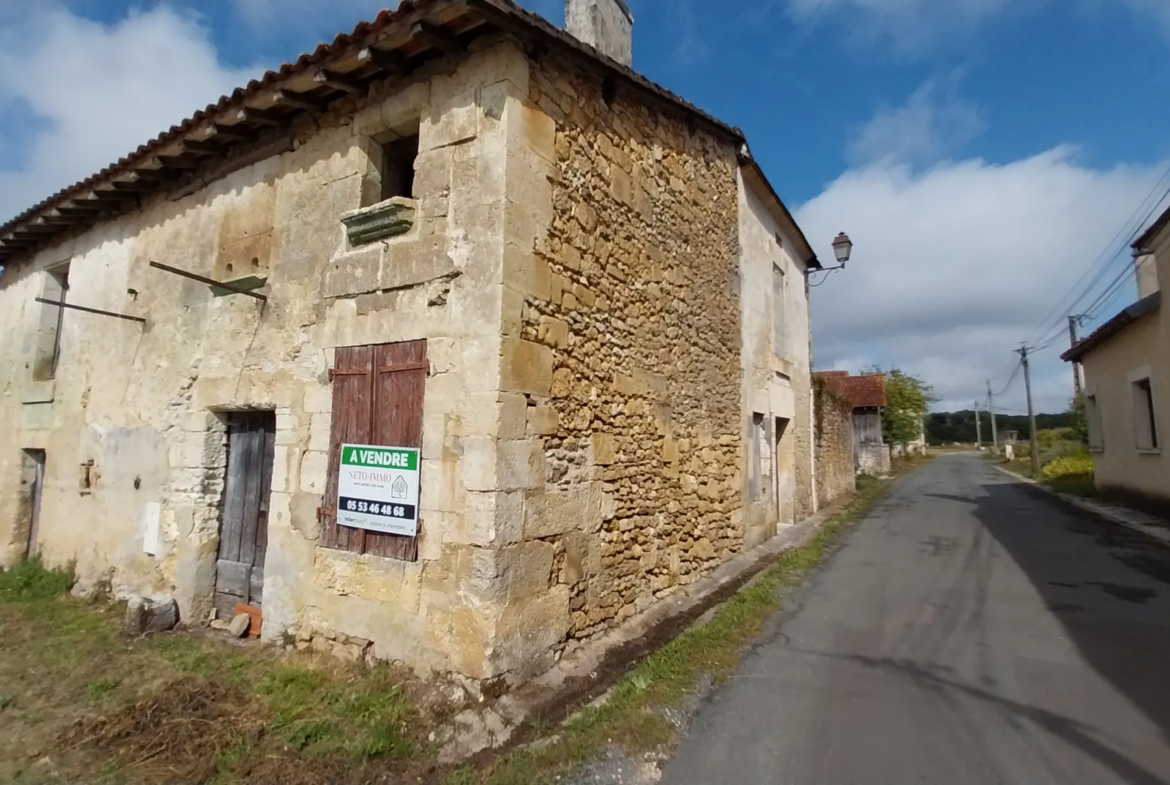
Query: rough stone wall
(637, 311)
(833, 433)
(146, 405)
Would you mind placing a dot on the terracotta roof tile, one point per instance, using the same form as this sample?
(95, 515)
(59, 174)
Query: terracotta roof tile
(864, 392)
(506, 12)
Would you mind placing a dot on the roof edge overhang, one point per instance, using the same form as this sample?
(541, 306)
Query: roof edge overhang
(1114, 327)
(395, 43)
(755, 173)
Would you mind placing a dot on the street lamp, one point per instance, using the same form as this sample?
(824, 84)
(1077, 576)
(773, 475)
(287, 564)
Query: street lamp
(843, 250)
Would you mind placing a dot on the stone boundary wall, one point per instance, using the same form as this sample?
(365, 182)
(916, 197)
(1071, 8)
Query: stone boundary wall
(833, 434)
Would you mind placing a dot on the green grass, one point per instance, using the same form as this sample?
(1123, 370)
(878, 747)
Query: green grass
(633, 716)
(29, 581)
(301, 719)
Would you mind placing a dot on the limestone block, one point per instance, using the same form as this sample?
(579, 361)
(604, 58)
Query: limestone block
(459, 633)
(553, 332)
(513, 416)
(414, 263)
(521, 464)
(526, 367)
(582, 558)
(444, 354)
(604, 449)
(320, 432)
(385, 581)
(526, 633)
(314, 468)
(553, 514)
(452, 118)
(480, 464)
(543, 421)
(353, 273)
(403, 109)
(281, 468)
(489, 519)
(529, 123)
(432, 174)
(525, 272)
(434, 436)
(438, 487)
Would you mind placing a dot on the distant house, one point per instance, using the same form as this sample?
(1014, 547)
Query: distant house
(1127, 384)
(867, 393)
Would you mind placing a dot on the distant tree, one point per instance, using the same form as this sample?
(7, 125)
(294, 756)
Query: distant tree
(907, 400)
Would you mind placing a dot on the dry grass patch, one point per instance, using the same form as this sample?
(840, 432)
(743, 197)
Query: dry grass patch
(81, 703)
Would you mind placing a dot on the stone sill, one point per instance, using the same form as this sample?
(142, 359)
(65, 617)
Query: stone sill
(39, 392)
(390, 218)
(1097, 450)
(1154, 451)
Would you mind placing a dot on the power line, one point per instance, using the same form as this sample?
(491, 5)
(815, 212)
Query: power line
(1129, 229)
(1015, 373)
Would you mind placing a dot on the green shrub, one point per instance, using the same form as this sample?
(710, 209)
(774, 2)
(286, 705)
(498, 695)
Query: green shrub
(30, 580)
(1070, 466)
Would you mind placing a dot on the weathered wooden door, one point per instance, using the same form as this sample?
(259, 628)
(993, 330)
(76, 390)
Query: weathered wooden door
(243, 534)
(36, 474)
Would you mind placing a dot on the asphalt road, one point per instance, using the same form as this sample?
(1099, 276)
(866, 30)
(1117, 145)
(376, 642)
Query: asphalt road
(969, 631)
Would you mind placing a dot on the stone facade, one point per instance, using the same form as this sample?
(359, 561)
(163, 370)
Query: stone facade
(834, 443)
(640, 421)
(575, 261)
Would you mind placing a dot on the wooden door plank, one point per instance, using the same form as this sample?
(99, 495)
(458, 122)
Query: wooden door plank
(232, 521)
(253, 440)
(269, 453)
(232, 578)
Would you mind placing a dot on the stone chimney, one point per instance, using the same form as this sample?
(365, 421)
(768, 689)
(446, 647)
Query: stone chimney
(1147, 275)
(606, 25)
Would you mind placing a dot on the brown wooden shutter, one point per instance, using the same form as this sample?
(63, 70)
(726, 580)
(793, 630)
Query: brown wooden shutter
(378, 400)
(353, 375)
(400, 382)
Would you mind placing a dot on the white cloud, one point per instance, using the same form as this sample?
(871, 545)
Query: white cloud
(907, 24)
(955, 265)
(915, 25)
(931, 125)
(1158, 9)
(318, 20)
(100, 90)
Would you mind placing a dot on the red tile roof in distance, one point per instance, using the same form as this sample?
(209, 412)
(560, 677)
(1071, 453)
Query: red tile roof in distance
(864, 392)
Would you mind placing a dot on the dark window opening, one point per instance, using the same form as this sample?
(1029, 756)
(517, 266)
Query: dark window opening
(398, 167)
(1147, 421)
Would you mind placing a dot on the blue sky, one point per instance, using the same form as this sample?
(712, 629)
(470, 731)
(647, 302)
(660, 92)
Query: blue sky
(981, 153)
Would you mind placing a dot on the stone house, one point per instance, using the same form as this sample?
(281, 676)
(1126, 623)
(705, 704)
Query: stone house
(570, 300)
(1127, 385)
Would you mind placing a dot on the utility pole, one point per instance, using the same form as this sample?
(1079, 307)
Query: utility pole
(1035, 450)
(1073, 322)
(994, 428)
(978, 428)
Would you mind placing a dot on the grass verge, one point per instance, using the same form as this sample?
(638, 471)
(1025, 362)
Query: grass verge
(635, 714)
(1081, 485)
(81, 703)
